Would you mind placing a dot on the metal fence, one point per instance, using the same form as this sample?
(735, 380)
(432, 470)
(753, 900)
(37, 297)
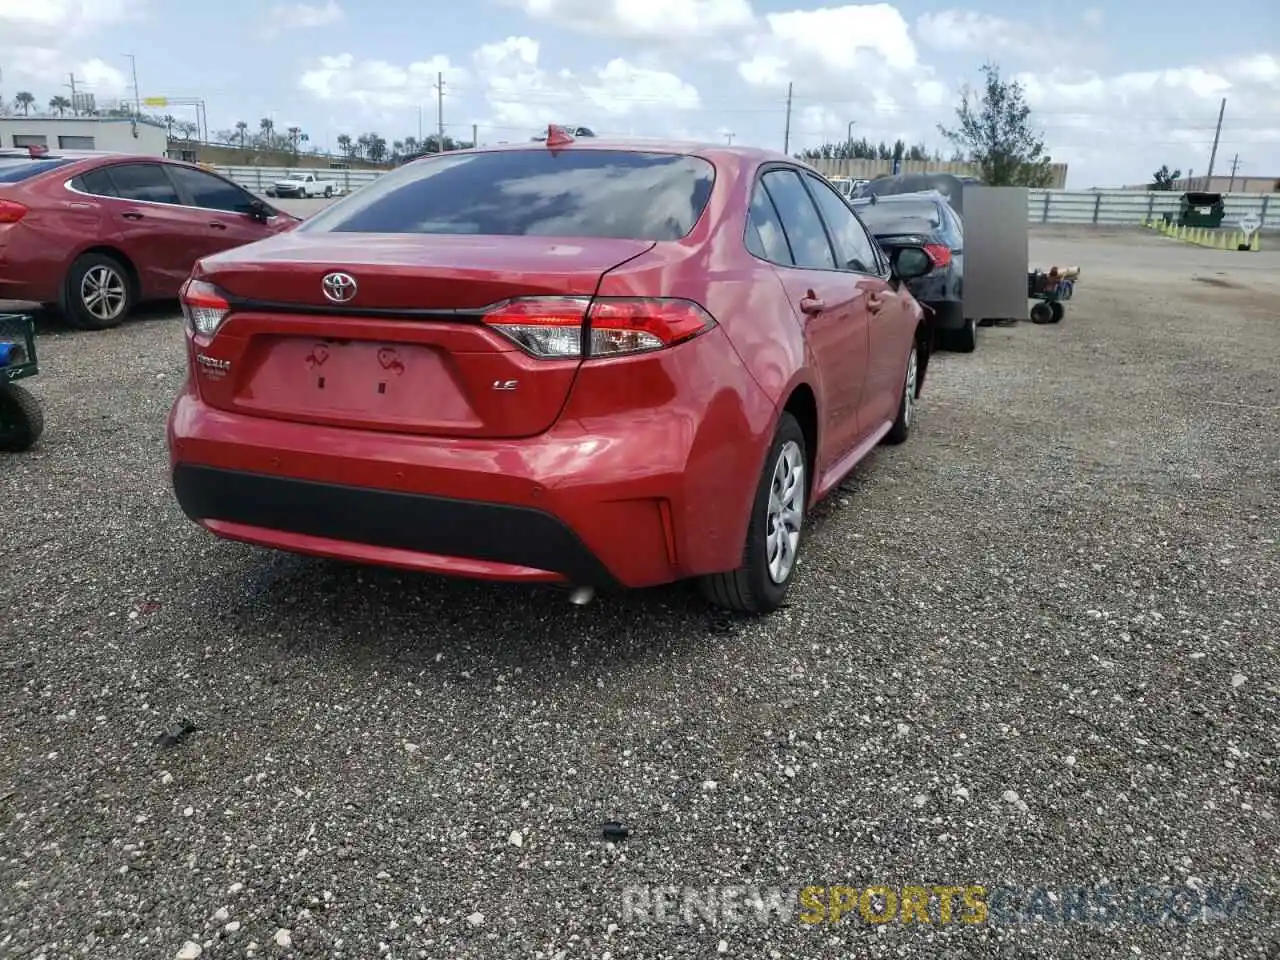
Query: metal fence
(1102, 207)
(258, 179)
(1120, 207)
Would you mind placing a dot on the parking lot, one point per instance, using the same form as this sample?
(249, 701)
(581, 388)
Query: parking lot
(1034, 647)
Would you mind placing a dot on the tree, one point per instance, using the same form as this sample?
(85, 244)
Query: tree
(295, 137)
(344, 144)
(242, 130)
(60, 105)
(997, 135)
(1163, 179)
(24, 100)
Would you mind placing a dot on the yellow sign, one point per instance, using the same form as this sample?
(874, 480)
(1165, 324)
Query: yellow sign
(156, 101)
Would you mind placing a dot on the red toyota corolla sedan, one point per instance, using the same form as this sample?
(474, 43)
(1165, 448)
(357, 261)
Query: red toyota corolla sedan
(577, 362)
(94, 234)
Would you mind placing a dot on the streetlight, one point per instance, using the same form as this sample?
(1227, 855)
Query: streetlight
(728, 136)
(849, 138)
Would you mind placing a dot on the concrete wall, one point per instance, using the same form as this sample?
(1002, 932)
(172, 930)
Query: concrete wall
(95, 133)
(221, 154)
(870, 169)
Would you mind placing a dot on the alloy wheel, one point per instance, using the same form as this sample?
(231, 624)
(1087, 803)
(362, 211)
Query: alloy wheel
(785, 511)
(103, 292)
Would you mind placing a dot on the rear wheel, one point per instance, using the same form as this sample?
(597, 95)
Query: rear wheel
(1041, 313)
(901, 428)
(328, 192)
(1056, 311)
(99, 294)
(21, 419)
(964, 340)
(773, 537)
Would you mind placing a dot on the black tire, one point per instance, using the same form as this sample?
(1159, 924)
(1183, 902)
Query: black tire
(1041, 313)
(21, 419)
(752, 588)
(328, 192)
(901, 428)
(74, 306)
(964, 340)
(1057, 310)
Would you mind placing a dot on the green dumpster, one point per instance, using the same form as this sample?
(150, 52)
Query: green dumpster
(1201, 210)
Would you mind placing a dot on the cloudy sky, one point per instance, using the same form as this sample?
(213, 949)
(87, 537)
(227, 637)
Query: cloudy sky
(1117, 88)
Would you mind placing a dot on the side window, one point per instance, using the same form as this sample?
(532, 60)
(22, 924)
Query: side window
(144, 181)
(957, 226)
(209, 192)
(853, 247)
(98, 182)
(765, 237)
(808, 239)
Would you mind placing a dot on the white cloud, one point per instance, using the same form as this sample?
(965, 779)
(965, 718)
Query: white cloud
(284, 18)
(857, 49)
(508, 91)
(523, 95)
(1131, 121)
(376, 85)
(967, 31)
(48, 38)
(662, 20)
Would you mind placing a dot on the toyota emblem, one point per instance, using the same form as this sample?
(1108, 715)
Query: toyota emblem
(339, 287)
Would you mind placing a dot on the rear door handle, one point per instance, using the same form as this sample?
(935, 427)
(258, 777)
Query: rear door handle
(811, 304)
(131, 215)
(217, 225)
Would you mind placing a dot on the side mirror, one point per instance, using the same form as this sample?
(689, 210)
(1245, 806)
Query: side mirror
(259, 211)
(909, 262)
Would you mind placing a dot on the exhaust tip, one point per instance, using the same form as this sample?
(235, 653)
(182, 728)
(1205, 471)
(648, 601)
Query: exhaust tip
(581, 596)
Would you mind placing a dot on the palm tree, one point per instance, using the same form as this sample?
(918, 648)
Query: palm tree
(294, 134)
(60, 105)
(344, 144)
(242, 128)
(266, 127)
(169, 121)
(24, 100)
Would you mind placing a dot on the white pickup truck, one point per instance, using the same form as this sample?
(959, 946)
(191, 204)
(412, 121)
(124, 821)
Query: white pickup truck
(302, 183)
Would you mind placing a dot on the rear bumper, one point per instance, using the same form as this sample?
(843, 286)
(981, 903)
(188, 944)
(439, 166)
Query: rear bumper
(633, 497)
(386, 525)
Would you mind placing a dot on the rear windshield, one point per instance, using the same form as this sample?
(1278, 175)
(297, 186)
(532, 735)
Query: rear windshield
(889, 212)
(13, 170)
(617, 194)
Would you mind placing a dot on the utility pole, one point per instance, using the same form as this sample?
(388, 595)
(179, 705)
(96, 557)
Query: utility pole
(475, 135)
(786, 136)
(419, 123)
(1235, 165)
(1208, 179)
(728, 137)
(74, 109)
(137, 97)
(440, 109)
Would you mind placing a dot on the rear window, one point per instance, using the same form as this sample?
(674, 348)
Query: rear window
(890, 212)
(12, 171)
(617, 194)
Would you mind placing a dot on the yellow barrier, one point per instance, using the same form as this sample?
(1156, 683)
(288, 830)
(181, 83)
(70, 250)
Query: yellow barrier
(1214, 239)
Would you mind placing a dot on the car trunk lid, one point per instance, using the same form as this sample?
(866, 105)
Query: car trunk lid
(400, 342)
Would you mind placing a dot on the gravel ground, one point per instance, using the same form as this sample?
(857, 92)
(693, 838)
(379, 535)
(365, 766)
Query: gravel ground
(1036, 646)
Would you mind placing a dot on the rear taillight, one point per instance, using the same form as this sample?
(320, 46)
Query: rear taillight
(203, 306)
(939, 253)
(552, 327)
(11, 211)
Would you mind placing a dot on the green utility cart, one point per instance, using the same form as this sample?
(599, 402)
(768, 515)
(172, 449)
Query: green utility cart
(1201, 210)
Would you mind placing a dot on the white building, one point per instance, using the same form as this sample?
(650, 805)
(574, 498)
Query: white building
(114, 134)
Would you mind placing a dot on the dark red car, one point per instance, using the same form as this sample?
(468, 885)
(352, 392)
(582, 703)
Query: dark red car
(581, 362)
(93, 235)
